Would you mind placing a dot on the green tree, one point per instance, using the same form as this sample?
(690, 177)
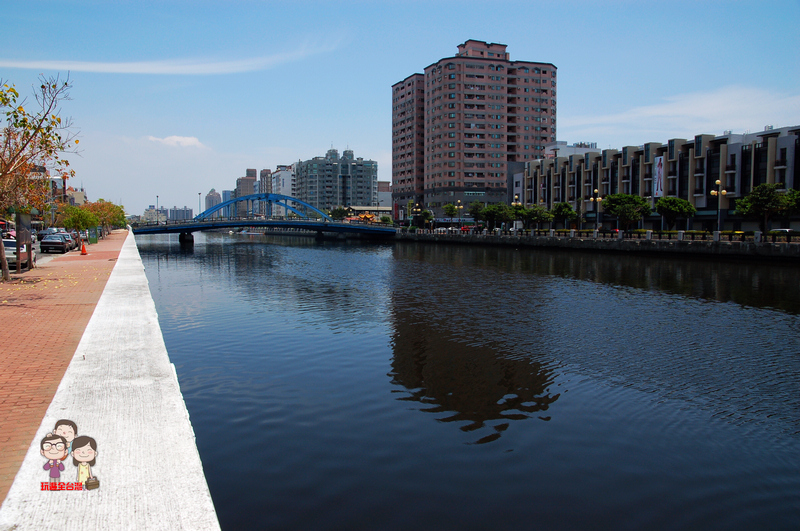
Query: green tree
(450, 210)
(792, 202)
(628, 209)
(31, 145)
(496, 214)
(673, 208)
(79, 218)
(108, 214)
(763, 203)
(518, 213)
(537, 214)
(426, 216)
(476, 211)
(338, 213)
(564, 212)
(386, 220)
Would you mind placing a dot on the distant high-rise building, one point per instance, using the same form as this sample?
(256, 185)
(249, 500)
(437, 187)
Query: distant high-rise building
(332, 181)
(457, 127)
(245, 186)
(213, 199)
(180, 214)
(283, 183)
(227, 195)
(264, 187)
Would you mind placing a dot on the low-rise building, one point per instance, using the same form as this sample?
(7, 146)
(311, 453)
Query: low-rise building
(686, 168)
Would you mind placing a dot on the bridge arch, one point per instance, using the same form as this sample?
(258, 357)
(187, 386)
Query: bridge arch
(272, 199)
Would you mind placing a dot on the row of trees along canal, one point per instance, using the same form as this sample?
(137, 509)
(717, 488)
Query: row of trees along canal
(765, 202)
(33, 145)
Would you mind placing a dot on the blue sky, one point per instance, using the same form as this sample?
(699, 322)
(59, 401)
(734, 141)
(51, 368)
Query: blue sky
(173, 98)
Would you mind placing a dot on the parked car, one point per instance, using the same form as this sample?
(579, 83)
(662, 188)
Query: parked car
(70, 240)
(54, 242)
(11, 253)
(45, 232)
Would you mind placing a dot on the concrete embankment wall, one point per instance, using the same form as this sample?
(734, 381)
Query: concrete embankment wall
(780, 251)
(120, 389)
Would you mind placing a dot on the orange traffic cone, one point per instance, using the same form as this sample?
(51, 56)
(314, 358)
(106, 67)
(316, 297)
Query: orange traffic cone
(83, 249)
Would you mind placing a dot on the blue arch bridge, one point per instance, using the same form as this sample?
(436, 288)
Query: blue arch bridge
(213, 219)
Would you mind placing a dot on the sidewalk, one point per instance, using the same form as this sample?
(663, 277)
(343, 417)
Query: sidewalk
(122, 391)
(44, 313)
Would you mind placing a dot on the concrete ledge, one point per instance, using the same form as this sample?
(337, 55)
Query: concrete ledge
(762, 250)
(121, 389)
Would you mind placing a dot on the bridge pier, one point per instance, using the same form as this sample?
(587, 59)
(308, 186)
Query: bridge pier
(186, 237)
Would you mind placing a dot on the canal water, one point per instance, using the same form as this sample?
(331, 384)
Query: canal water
(353, 386)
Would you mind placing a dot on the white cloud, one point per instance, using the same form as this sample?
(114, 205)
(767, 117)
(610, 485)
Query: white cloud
(178, 141)
(734, 108)
(199, 66)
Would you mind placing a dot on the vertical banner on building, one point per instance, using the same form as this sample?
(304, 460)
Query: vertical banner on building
(658, 177)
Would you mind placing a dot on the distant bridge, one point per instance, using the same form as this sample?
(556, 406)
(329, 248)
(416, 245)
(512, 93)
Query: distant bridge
(212, 220)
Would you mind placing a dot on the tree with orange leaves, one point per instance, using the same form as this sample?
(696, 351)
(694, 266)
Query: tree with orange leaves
(31, 145)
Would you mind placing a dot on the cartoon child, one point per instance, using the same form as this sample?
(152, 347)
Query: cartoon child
(67, 429)
(84, 456)
(54, 448)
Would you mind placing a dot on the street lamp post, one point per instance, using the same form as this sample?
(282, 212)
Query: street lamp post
(515, 203)
(597, 200)
(198, 203)
(719, 193)
(158, 218)
(459, 209)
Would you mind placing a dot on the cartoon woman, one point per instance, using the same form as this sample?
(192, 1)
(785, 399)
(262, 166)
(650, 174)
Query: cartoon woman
(67, 429)
(84, 456)
(54, 448)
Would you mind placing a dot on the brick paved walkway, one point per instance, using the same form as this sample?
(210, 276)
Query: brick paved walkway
(43, 314)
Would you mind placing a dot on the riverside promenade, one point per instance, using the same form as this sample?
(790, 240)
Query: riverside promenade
(81, 341)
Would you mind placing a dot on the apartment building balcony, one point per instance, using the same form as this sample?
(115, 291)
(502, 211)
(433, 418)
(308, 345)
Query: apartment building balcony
(730, 168)
(699, 170)
(780, 164)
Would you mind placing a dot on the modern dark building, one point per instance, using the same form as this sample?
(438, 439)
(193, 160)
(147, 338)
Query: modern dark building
(684, 168)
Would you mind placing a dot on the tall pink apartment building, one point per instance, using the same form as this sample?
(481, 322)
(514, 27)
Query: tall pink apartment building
(460, 128)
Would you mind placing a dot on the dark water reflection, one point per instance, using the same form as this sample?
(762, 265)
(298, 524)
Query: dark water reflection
(361, 386)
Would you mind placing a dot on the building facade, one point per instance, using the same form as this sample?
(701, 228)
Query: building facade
(687, 169)
(247, 185)
(457, 126)
(227, 195)
(283, 183)
(333, 181)
(180, 214)
(213, 198)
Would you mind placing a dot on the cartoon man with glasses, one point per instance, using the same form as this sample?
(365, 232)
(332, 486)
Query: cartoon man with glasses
(54, 448)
